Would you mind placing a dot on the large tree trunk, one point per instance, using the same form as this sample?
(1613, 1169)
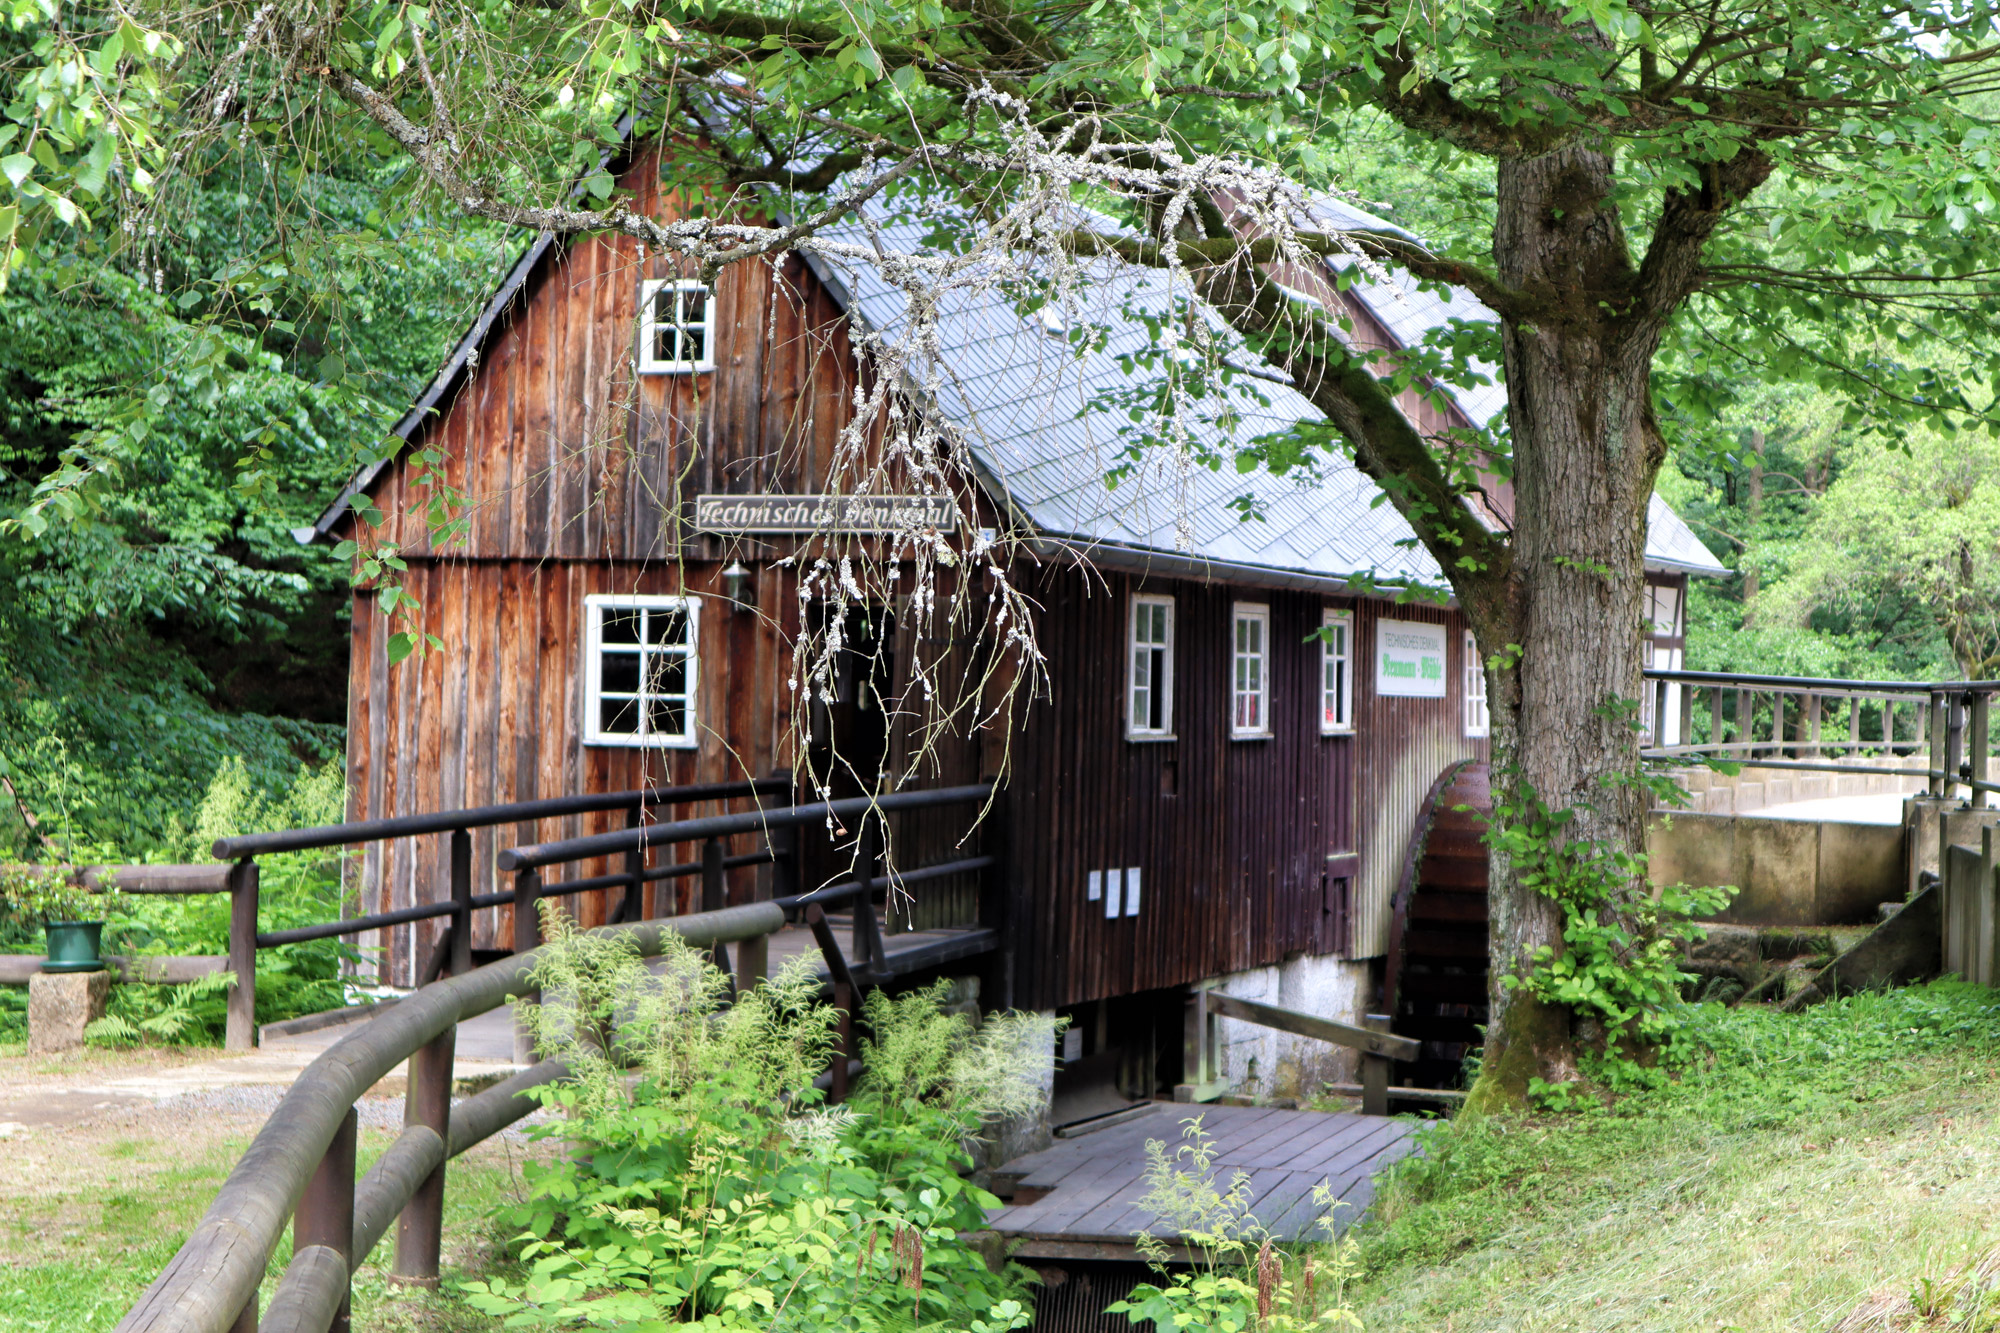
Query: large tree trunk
(1586, 452)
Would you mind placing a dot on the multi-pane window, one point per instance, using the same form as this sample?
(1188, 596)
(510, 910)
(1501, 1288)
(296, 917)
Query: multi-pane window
(1250, 671)
(1477, 722)
(639, 671)
(1150, 699)
(1336, 672)
(675, 326)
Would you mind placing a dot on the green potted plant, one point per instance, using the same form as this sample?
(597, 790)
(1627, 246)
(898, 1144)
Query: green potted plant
(70, 916)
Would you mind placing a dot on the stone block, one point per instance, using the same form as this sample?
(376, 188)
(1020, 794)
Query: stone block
(1815, 788)
(1698, 780)
(61, 1005)
(1777, 869)
(1780, 791)
(1749, 796)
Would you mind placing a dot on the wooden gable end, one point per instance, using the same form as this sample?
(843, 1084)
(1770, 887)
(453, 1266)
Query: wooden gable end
(556, 445)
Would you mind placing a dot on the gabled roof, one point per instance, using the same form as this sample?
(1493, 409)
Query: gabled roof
(1030, 409)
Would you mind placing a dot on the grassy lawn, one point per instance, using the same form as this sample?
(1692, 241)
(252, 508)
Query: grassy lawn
(89, 1215)
(1805, 1169)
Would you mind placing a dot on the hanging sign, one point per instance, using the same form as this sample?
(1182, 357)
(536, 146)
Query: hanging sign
(1409, 659)
(732, 514)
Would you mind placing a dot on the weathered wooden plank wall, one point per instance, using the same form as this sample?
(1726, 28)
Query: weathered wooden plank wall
(1230, 836)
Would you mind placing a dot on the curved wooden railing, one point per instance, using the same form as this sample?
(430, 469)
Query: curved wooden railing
(300, 1167)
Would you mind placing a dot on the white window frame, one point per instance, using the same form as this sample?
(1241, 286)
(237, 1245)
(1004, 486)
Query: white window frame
(1336, 674)
(1478, 720)
(595, 606)
(1259, 614)
(650, 328)
(1137, 728)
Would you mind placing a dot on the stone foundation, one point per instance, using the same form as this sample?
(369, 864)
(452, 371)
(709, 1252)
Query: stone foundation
(1263, 1062)
(61, 1005)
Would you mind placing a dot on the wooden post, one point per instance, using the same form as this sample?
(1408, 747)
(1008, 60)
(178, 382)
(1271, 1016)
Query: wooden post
(1715, 717)
(527, 936)
(845, 994)
(1746, 713)
(633, 906)
(420, 1229)
(1935, 737)
(867, 946)
(325, 1217)
(1375, 1071)
(1686, 736)
(240, 1026)
(1954, 742)
(461, 898)
(1810, 725)
(1853, 726)
(715, 892)
(1981, 747)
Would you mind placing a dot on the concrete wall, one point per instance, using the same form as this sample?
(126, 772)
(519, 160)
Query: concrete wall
(1752, 788)
(1789, 871)
(1262, 1061)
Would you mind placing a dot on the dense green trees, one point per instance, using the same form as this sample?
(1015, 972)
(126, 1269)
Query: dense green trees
(1660, 202)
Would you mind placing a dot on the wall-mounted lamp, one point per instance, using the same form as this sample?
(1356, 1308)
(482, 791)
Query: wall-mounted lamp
(739, 585)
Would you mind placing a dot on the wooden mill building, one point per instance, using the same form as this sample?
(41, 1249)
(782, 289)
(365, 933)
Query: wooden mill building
(1209, 787)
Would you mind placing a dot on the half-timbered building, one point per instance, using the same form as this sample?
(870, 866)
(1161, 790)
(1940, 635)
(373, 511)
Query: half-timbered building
(1217, 781)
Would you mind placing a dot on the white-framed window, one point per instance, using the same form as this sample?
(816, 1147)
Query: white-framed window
(1477, 723)
(1149, 693)
(1336, 672)
(639, 670)
(676, 327)
(1250, 671)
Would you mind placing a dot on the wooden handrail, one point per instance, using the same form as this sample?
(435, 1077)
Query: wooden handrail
(484, 816)
(216, 1273)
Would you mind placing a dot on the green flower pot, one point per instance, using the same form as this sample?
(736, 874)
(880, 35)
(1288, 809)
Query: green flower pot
(73, 946)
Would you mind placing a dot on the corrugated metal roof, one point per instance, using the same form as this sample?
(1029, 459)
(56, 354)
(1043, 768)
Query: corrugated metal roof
(1029, 405)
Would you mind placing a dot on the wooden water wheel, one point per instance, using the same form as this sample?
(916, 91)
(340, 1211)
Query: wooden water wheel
(1434, 982)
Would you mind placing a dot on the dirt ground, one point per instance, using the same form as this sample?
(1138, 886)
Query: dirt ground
(107, 1160)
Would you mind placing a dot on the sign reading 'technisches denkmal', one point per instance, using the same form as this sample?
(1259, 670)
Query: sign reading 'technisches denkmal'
(1409, 659)
(823, 513)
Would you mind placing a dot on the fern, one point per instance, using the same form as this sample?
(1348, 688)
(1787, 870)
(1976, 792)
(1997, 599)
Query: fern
(171, 1015)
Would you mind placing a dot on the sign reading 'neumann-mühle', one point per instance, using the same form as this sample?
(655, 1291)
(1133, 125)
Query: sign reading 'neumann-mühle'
(823, 513)
(1409, 659)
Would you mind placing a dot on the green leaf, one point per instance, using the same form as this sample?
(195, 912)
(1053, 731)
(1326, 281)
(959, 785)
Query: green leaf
(400, 647)
(17, 168)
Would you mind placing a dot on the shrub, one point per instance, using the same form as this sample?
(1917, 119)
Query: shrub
(703, 1181)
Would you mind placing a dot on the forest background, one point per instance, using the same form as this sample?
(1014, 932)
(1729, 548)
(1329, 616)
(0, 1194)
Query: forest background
(179, 626)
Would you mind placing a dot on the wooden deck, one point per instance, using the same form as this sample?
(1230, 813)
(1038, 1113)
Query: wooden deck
(1079, 1199)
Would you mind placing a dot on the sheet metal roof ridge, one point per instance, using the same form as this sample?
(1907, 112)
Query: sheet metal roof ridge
(1130, 557)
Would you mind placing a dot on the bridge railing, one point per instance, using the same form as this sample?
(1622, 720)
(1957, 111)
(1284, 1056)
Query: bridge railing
(1939, 731)
(451, 952)
(301, 1166)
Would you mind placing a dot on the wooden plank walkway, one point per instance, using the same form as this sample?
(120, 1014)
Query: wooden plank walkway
(1079, 1199)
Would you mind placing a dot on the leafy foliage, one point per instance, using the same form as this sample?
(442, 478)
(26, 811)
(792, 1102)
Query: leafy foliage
(1620, 960)
(710, 1186)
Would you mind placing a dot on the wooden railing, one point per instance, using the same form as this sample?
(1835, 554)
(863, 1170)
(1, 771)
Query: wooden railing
(301, 1166)
(1935, 730)
(451, 953)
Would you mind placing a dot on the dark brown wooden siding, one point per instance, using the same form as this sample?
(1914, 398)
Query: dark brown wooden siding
(1232, 837)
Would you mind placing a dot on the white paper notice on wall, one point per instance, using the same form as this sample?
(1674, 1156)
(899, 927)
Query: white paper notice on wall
(1096, 886)
(1113, 882)
(1409, 659)
(1132, 891)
